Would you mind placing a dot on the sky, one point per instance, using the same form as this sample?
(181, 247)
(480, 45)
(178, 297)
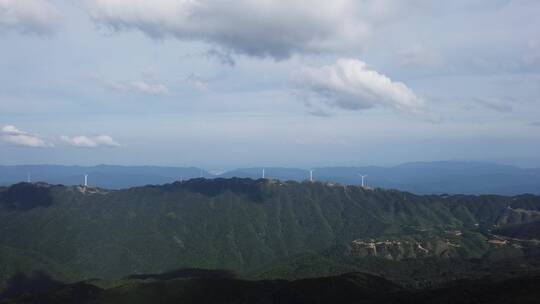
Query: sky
(234, 83)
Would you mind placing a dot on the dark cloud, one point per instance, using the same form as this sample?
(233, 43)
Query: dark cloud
(274, 29)
(223, 57)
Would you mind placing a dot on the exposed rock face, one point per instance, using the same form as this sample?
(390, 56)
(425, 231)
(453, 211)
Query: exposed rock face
(398, 250)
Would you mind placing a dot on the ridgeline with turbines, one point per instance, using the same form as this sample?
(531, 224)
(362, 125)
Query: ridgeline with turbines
(422, 178)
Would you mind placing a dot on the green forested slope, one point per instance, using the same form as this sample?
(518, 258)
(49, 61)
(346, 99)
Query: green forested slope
(235, 224)
(527, 231)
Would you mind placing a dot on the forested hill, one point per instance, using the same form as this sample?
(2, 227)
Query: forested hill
(236, 224)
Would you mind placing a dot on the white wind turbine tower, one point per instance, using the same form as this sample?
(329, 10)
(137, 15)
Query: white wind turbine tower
(86, 180)
(363, 177)
(311, 175)
(263, 174)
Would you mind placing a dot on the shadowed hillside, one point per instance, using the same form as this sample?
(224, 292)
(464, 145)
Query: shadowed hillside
(348, 288)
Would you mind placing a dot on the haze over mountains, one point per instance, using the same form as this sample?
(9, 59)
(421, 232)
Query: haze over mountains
(451, 177)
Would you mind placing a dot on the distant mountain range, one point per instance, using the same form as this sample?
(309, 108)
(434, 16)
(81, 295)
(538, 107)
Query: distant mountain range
(422, 177)
(104, 176)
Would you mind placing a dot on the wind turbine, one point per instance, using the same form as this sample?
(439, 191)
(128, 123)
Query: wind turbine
(86, 180)
(311, 175)
(363, 177)
(263, 174)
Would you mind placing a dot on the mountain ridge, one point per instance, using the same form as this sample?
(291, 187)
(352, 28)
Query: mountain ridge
(420, 177)
(239, 224)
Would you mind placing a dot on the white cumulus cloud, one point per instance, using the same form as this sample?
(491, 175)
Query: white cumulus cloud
(90, 141)
(13, 135)
(269, 28)
(29, 16)
(350, 84)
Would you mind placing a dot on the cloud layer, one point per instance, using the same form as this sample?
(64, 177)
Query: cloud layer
(90, 141)
(495, 104)
(29, 16)
(350, 84)
(274, 28)
(15, 136)
(139, 87)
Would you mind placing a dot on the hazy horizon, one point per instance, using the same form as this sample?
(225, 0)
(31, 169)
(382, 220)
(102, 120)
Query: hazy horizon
(217, 169)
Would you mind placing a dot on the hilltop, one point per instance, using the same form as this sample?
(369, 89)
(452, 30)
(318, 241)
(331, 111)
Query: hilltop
(453, 177)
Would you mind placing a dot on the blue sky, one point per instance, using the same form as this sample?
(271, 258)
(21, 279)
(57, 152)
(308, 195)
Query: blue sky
(223, 84)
